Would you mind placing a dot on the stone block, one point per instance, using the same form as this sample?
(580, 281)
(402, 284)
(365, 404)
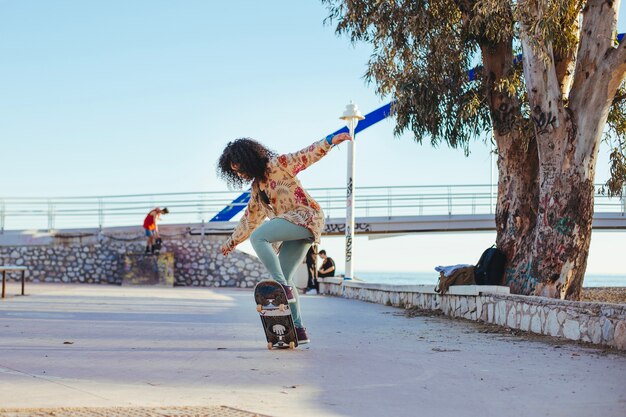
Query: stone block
(535, 323)
(571, 329)
(607, 331)
(501, 318)
(464, 307)
(584, 329)
(619, 337)
(479, 308)
(511, 318)
(552, 324)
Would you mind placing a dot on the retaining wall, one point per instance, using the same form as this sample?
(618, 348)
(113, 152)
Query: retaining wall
(100, 259)
(598, 323)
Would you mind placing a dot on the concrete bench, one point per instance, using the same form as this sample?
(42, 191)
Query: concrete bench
(422, 289)
(4, 269)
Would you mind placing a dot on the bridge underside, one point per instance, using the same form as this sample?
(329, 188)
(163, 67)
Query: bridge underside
(375, 227)
(424, 224)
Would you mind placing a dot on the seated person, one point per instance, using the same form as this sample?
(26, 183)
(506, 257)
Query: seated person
(328, 266)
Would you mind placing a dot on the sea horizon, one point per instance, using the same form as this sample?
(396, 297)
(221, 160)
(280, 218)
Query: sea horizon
(430, 278)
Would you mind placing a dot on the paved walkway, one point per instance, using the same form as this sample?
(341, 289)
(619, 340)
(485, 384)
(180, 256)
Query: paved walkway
(105, 346)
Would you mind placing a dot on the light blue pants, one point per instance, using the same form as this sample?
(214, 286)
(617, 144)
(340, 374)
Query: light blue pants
(296, 242)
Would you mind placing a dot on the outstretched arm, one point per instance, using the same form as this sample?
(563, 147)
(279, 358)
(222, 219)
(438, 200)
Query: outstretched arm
(251, 219)
(298, 161)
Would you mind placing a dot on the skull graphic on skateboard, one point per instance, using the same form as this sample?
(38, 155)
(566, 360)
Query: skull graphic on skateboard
(273, 307)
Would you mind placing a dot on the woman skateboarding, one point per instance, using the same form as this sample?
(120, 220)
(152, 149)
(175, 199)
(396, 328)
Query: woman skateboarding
(296, 219)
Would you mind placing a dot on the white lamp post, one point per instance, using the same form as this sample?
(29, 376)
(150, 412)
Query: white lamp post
(351, 115)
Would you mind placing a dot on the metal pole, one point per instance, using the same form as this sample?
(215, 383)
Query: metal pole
(349, 274)
(1, 217)
(50, 216)
(100, 213)
(351, 115)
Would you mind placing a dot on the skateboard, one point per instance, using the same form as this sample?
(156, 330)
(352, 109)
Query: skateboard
(273, 307)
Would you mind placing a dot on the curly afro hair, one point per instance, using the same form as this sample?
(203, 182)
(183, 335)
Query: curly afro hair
(251, 157)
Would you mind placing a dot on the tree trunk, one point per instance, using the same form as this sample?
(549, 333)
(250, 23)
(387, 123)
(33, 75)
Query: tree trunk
(559, 255)
(550, 257)
(544, 213)
(516, 210)
(518, 167)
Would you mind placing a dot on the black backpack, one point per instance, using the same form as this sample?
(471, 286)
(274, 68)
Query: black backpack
(490, 267)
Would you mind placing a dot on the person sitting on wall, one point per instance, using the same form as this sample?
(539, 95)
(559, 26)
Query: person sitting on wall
(151, 228)
(328, 265)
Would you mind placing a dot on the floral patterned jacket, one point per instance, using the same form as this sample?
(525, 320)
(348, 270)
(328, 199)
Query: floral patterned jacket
(288, 200)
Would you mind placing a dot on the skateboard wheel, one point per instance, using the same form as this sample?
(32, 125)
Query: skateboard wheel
(270, 346)
(292, 345)
(282, 307)
(259, 308)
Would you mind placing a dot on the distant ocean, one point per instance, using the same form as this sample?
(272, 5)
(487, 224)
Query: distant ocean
(430, 278)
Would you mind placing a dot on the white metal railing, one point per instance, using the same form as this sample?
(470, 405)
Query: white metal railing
(196, 207)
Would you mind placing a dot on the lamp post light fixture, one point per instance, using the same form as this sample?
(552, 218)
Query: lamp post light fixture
(351, 115)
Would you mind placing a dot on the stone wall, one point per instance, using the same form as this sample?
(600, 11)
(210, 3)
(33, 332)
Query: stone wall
(598, 323)
(197, 261)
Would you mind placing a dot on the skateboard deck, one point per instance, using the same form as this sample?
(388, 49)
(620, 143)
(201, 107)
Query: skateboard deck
(275, 312)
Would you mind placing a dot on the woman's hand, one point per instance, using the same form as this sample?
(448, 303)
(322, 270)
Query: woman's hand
(226, 249)
(341, 137)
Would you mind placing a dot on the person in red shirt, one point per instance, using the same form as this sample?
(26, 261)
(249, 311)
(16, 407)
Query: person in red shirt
(151, 228)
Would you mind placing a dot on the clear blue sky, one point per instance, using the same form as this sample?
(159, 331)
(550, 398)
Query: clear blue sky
(125, 97)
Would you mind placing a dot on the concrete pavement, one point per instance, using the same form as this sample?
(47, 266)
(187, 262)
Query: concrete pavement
(106, 346)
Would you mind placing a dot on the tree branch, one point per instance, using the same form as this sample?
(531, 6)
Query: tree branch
(600, 69)
(567, 41)
(617, 55)
(497, 65)
(596, 48)
(615, 65)
(544, 92)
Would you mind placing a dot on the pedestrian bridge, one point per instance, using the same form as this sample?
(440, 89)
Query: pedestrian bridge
(379, 210)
